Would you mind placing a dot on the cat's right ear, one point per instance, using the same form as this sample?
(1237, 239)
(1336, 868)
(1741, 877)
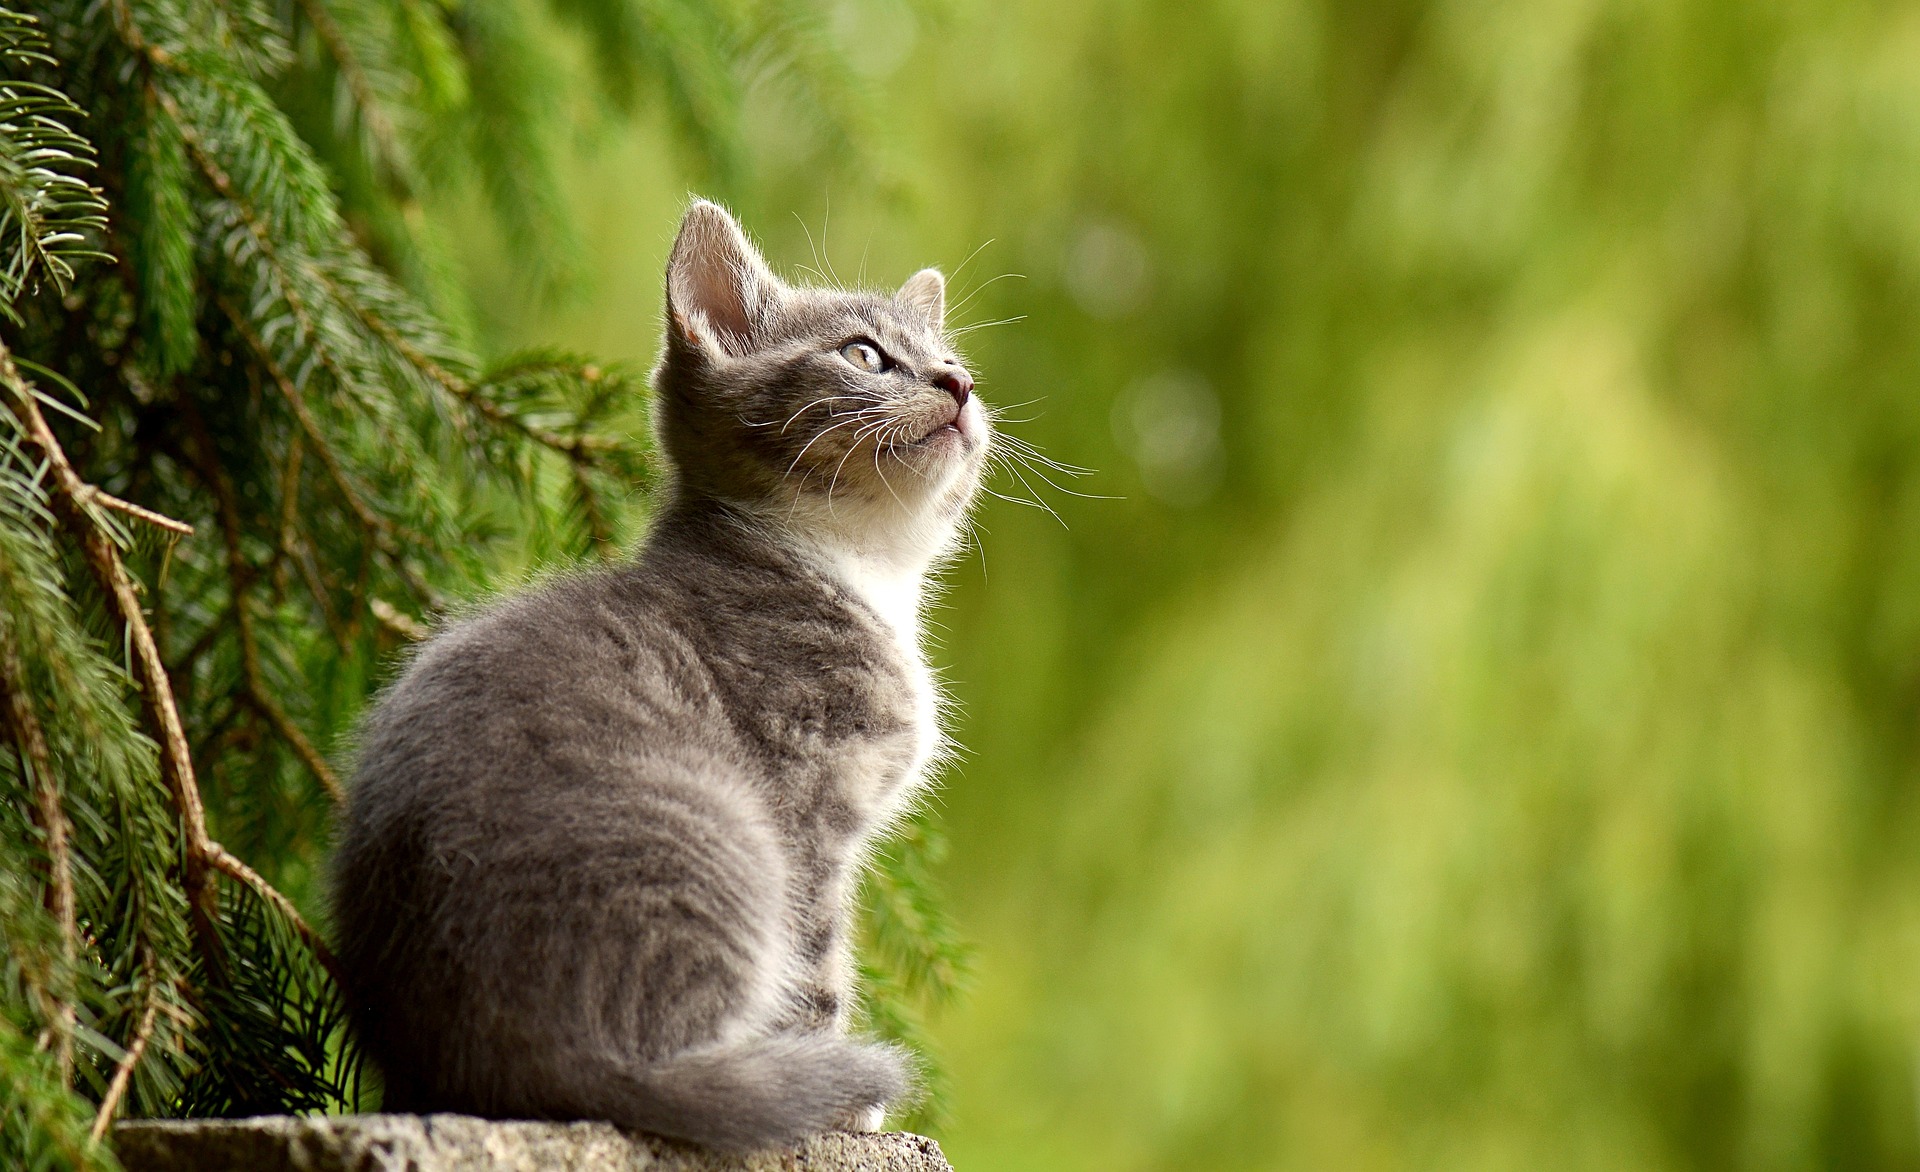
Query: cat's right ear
(926, 291)
(719, 288)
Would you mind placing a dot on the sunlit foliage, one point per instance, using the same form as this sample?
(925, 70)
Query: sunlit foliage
(1484, 736)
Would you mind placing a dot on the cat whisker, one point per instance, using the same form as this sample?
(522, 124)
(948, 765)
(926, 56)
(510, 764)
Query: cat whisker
(811, 248)
(981, 287)
(801, 454)
(1048, 481)
(1003, 321)
(826, 222)
(811, 406)
(883, 476)
(853, 446)
(1036, 496)
(1033, 455)
(1015, 406)
(1014, 500)
(969, 260)
(1034, 460)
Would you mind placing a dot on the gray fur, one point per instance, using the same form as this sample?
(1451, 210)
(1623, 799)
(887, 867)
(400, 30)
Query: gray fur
(600, 847)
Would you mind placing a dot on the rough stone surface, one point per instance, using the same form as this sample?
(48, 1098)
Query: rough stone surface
(459, 1143)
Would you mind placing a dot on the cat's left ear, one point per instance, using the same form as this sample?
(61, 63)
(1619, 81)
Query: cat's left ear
(719, 289)
(926, 291)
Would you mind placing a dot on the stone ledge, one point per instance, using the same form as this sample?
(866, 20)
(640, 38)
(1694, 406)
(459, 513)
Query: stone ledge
(461, 1143)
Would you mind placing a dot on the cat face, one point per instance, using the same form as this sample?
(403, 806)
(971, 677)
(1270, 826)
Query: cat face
(844, 410)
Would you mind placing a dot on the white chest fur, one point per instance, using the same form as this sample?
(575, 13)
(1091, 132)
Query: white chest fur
(896, 595)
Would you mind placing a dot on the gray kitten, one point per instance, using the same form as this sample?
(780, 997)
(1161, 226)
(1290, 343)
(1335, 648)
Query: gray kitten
(599, 854)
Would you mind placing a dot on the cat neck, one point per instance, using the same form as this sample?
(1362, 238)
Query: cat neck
(885, 566)
(879, 560)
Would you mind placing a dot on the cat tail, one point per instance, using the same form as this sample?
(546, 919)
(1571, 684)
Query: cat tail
(754, 1094)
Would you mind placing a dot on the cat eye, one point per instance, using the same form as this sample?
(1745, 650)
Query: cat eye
(866, 356)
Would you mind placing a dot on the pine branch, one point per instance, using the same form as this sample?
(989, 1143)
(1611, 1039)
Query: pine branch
(107, 500)
(584, 450)
(284, 549)
(596, 514)
(123, 1070)
(203, 856)
(384, 534)
(239, 586)
(386, 139)
(47, 212)
(220, 859)
(103, 558)
(22, 726)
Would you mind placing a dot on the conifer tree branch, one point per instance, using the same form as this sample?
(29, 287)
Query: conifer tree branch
(397, 621)
(378, 527)
(107, 500)
(261, 697)
(203, 856)
(123, 1070)
(240, 581)
(284, 549)
(303, 561)
(156, 689)
(22, 726)
(373, 115)
(581, 449)
(222, 860)
(596, 515)
(263, 240)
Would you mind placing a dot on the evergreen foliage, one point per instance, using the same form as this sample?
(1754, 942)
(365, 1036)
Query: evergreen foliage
(224, 304)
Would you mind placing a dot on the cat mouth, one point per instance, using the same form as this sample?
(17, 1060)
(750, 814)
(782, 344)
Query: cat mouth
(953, 429)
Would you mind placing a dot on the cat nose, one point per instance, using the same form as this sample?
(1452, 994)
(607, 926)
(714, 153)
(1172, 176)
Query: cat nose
(957, 383)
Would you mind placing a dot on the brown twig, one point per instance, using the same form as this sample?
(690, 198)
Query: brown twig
(239, 584)
(224, 861)
(156, 690)
(202, 856)
(261, 698)
(123, 1070)
(157, 520)
(597, 526)
(283, 543)
(378, 526)
(398, 621)
(22, 726)
(316, 586)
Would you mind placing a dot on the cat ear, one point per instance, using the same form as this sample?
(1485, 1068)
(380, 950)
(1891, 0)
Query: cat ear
(926, 291)
(718, 287)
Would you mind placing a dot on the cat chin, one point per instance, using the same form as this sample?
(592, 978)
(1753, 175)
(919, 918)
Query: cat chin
(906, 518)
(943, 455)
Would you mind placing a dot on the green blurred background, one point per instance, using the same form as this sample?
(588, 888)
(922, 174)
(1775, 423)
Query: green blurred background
(1479, 731)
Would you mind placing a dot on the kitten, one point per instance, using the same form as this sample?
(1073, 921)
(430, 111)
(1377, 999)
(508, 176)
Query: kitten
(599, 852)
